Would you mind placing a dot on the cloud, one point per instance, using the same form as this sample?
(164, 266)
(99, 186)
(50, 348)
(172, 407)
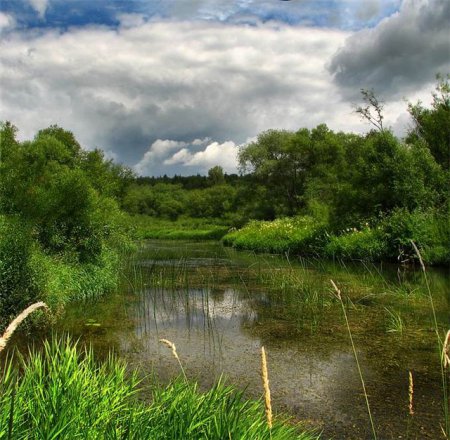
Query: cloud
(122, 90)
(40, 6)
(157, 152)
(402, 53)
(7, 22)
(224, 154)
(131, 20)
(149, 89)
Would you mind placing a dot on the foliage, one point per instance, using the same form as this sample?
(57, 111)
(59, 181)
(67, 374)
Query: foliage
(19, 281)
(430, 230)
(144, 227)
(279, 236)
(63, 393)
(60, 218)
(433, 124)
(365, 244)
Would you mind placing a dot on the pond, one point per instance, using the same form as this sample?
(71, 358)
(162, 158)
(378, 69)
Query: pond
(220, 306)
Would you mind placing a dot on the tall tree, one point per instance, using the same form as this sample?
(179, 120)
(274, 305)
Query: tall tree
(432, 125)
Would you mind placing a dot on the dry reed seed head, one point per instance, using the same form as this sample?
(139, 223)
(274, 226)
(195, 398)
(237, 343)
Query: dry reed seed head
(265, 379)
(338, 292)
(411, 394)
(416, 249)
(446, 350)
(17, 321)
(171, 345)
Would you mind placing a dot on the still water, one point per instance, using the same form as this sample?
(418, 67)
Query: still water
(220, 306)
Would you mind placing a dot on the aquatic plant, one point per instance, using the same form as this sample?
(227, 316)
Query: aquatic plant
(442, 346)
(395, 322)
(339, 296)
(17, 321)
(265, 380)
(63, 393)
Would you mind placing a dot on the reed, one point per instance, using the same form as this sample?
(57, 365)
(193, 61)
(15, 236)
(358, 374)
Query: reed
(410, 394)
(173, 348)
(339, 296)
(446, 351)
(265, 380)
(442, 345)
(62, 392)
(17, 321)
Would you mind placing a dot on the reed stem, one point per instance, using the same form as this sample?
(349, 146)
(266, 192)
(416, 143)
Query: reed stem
(441, 345)
(265, 380)
(17, 321)
(338, 294)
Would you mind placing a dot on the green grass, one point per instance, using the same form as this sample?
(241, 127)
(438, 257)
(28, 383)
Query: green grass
(363, 244)
(62, 393)
(296, 234)
(386, 239)
(145, 227)
(62, 281)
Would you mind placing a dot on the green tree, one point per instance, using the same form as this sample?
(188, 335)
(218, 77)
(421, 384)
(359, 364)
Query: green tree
(216, 176)
(432, 125)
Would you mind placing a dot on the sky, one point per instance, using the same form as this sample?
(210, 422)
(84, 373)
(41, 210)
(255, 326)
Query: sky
(179, 86)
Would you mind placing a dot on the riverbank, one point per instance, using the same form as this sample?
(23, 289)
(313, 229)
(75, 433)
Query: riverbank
(389, 239)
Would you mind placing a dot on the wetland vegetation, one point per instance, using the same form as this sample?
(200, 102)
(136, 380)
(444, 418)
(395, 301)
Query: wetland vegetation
(222, 265)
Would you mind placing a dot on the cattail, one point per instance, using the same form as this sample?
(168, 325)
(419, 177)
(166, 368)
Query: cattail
(265, 379)
(446, 351)
(171, 345)
(16, 322)
(411, 394)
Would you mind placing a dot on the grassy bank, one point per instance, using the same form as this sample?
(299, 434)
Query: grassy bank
(295, 234)
(28, 273)
(145, 227)
(63, 393)
(387, 239)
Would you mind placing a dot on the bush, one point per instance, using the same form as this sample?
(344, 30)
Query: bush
(295, 234)
(19, 281)
(430, 230)
(365, 244)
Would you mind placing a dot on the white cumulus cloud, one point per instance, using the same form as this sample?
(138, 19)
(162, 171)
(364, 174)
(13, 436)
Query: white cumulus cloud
(222, 154)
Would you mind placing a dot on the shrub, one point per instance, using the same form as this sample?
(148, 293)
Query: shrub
(295, 234)
(365, 244)
(19, 281)
(430, 230)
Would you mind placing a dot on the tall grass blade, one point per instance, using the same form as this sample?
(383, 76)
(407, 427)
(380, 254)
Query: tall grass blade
(339, 296)
(441, 345)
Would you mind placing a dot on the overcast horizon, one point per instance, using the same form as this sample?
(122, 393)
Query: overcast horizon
(175, 87)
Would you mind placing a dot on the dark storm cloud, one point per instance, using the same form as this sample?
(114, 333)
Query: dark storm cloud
(400, 54)
(169, 81)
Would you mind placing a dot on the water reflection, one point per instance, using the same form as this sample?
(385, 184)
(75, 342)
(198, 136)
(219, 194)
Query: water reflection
(218, 330)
